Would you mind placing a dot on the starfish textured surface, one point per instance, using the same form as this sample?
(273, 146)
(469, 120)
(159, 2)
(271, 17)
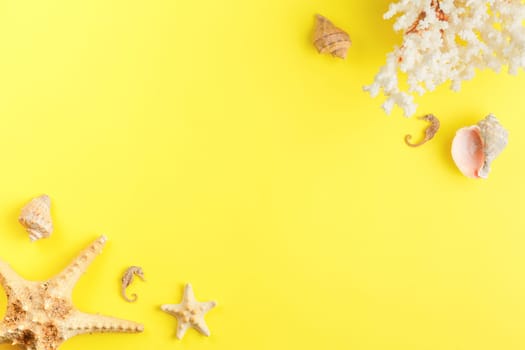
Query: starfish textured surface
(189, 313)
(41, 315)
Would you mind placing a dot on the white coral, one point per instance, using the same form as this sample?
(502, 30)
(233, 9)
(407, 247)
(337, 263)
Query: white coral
(448, 40)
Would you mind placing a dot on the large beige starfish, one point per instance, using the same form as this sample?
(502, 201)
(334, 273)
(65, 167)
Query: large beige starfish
(189, 313)
(41, 315)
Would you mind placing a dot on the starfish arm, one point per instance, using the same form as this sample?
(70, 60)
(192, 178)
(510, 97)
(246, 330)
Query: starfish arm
(207, 306)
(81, 323)
(202, 327)
(188, 295)
(3, 335)
(43, 345)
(9, 279)
(181, 329)
(174, 310)
(171, 309)
(26, 339)
(65, 281)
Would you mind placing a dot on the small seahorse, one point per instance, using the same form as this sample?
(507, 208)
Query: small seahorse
(430, 131)
(127, 278)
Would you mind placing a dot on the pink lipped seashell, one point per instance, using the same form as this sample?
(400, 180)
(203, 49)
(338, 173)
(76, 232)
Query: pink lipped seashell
(467, 151)
(474, 148)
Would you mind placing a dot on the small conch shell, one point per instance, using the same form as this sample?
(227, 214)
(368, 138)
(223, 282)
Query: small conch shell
(330, 39)
(474, 148)
(36, 218)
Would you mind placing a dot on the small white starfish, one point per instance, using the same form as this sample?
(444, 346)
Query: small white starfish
(189, 313)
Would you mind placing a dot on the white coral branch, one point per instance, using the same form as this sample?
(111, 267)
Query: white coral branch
(447, 40)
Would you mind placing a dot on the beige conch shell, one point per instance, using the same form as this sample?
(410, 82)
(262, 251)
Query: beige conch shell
(331, 39)
(474, 148)
(36, 218)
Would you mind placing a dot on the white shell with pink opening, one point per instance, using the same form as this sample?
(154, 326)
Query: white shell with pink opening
(474, 148)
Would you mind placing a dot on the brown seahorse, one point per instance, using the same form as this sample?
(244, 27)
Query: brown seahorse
(127, 278)
(430, 131)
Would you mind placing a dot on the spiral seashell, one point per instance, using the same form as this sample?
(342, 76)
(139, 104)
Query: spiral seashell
(495, 139)
(331, 39)
(36, 218)
(474, 148)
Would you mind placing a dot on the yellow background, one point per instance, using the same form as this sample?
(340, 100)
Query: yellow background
(213, 145)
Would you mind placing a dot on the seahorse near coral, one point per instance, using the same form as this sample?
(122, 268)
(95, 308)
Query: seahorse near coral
(430, 131)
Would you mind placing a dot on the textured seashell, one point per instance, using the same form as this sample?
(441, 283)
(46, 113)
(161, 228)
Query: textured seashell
(331, 39)
(495, 139)
(36, 218)
(474, 148)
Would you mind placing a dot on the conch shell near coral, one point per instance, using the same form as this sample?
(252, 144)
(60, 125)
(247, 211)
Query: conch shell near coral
(474, 148)
(330, 39)
(36, 218)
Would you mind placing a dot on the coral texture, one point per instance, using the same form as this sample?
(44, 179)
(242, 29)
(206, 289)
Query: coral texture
(41, 315)
(447, 40)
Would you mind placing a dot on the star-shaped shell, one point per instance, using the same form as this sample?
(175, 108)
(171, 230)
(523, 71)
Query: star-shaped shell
(36, 218)
(189, 313)
(40, 315)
